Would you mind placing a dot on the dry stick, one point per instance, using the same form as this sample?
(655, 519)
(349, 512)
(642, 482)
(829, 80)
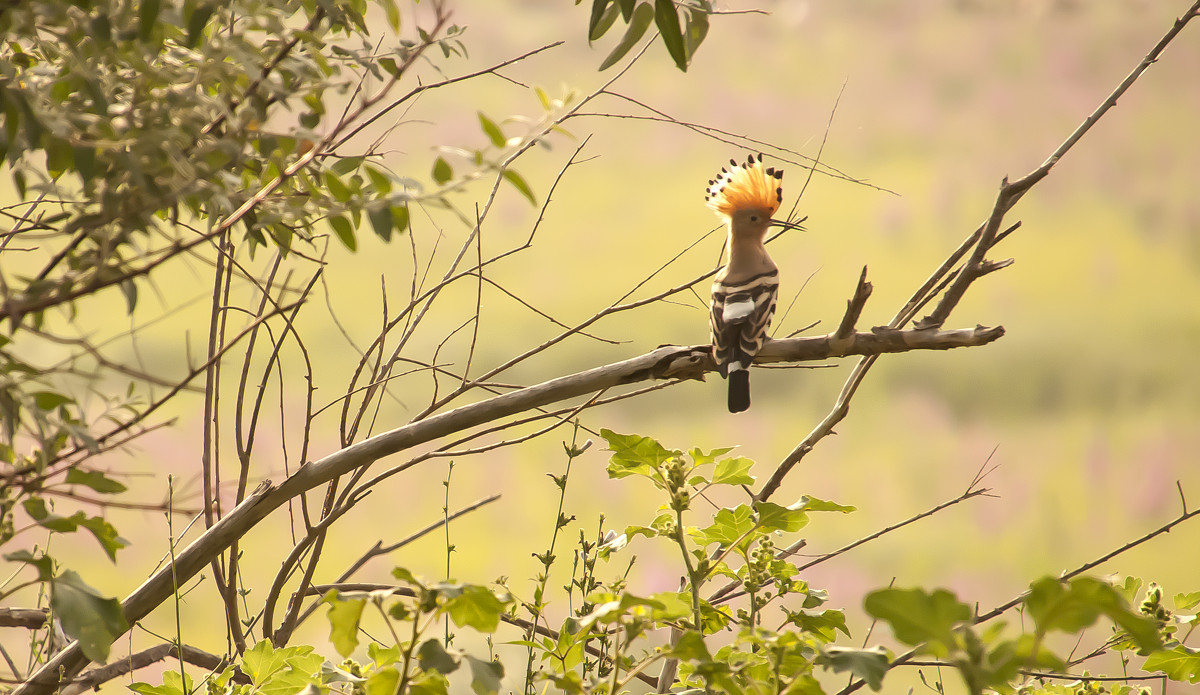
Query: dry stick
(348, 433)
(525, 147)
(93, 679)
(998, 610)
(380, 549)
(1009, 194)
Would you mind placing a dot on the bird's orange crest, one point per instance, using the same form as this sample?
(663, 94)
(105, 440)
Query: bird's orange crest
(743, 186)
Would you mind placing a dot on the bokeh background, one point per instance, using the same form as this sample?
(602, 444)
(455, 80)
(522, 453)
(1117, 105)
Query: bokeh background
(1086, 414)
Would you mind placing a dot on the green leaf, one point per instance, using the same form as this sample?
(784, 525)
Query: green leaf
(697, 29)
(43, 563)
(733, 471)
(94, 620)
(634, 454)
(918, 617)
(130, 291)
(775, 517)
(1078, 604)
(667, 20)
(728, 526)
(1185, 602)
(824, 624)
(597, 15)
(380, 214)
(867, 664)
(341, 227)
(380, 181)
(104, 532)
(400, 218)
(485, 675)
(690, 647)
(49, 400)
(147, 17)
(196, 22)
(492, 130)
(442, 171)
(172, 684)
(515, 179)
(337, 189)
(1179, 664)
(383, 682)
(606, 21)
(344, 615)
(643, 14)
(812, 504)
(433, 657)
(476, 607)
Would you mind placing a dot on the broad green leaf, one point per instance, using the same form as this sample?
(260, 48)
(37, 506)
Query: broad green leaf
(428, 683)
(95, 480)
(691, 647)
(380, 214)
(643, 15)
(433, 657)
(1078, 604)
(1180, 663)
(666, 18)
(104, 532)
(49, 400)
(918, 617)
(383, 656)
(485, 675)
(867, 664)
(517, 181)
(262, 661)
(383, 682)
(634, 454)
(825, 625)
(94, 620)
(341, 227)
(733, 471)
(476, 607)
(491, 130)
(442, 171)
(337, 189)
(173, 684)
(380, 181)
(729, 525)
(1185, 602)
(344, 615)
(775, 517)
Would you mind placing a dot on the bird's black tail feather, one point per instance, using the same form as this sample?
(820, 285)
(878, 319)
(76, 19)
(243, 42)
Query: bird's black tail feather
(739, 390)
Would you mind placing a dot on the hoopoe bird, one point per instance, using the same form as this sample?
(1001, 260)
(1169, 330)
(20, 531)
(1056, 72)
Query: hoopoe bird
(744, 291)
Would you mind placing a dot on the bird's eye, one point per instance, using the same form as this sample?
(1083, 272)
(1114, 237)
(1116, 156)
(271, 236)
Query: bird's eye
(754, 218)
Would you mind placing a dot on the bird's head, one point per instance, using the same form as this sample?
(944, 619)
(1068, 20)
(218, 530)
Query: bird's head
(746, 195)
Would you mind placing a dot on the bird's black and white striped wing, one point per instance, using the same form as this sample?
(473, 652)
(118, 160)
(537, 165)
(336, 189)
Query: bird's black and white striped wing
(740, 316)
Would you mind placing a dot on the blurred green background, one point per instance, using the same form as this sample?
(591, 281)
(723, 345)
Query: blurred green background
(1088, 408)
